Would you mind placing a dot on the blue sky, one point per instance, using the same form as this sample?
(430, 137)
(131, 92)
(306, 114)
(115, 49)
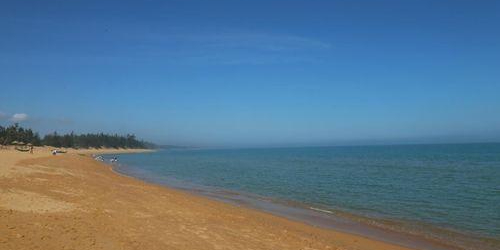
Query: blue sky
(254, 73)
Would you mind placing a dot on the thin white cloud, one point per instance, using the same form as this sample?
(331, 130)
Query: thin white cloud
(225, 47)
(174, 45)
(246, 59)
(259, 41)
(20, 117)
(2, 115)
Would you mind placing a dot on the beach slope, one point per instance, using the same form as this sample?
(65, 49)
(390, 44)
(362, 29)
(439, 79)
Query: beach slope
(71, 201)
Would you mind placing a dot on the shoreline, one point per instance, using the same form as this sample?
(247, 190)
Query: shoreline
(406, 233)
(302, 213)
(71, 200)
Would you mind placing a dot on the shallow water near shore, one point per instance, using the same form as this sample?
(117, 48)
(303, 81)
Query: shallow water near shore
(425, 196)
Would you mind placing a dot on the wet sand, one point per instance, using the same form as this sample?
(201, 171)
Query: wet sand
(71, 201)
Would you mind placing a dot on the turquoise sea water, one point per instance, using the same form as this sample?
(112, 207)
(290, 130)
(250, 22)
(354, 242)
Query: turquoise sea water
(449, 193)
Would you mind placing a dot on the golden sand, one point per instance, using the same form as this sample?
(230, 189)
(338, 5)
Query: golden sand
(71, 201)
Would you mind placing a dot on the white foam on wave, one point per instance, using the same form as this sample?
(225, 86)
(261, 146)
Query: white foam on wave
(321, 210)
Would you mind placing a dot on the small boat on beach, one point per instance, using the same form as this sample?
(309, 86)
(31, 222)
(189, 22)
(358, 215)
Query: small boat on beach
(22, 148)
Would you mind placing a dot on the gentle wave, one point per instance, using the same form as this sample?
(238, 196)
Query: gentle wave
(321, 210)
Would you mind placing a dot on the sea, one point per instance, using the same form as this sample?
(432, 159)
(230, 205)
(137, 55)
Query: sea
(436, 197)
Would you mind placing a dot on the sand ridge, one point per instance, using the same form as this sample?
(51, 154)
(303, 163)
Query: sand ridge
(74, 202)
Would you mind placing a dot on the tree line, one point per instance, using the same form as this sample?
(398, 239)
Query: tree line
(14, 133)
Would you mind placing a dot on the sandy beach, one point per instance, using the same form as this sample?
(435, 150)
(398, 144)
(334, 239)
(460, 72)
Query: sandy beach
(71, 201)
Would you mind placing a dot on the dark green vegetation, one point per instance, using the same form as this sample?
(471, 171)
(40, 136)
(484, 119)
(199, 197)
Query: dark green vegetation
(13, 133)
